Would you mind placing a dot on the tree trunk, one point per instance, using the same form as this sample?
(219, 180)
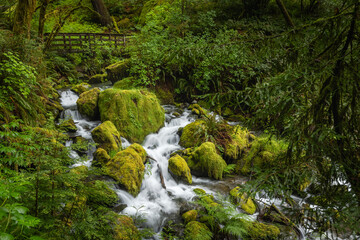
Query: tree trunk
(285, 13)
(43, 6)
(23, 15)
(103, 12)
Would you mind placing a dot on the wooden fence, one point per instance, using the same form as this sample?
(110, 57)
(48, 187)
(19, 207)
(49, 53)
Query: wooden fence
(81, 42)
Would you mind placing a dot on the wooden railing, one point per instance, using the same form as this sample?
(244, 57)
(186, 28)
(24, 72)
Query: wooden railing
(81, 42)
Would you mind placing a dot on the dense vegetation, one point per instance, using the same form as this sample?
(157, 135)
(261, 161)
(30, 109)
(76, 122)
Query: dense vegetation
(289, 68)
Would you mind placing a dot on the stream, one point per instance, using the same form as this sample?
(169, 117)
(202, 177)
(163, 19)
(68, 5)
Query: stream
(154, 204)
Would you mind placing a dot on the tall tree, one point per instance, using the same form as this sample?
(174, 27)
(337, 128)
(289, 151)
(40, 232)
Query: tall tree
(101, 9)
(23, 15)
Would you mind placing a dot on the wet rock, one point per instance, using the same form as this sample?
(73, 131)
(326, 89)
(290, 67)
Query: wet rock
(118, 208)
(107, 137)
(205, 161)
(135, 113)
(179, 169)
(127, 168)
(88, 103)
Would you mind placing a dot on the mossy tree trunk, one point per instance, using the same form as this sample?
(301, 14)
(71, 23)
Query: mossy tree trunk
(100, 8)
(23, 15)
(43, 6)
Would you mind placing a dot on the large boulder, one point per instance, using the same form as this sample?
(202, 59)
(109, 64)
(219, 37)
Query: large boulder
(107, 137)
(135, 113)
(117, 71)
(101, 157)
(205, 161)
(193, 134)
(88, 103)
(179, 169)
(197, 231)
(127, 168)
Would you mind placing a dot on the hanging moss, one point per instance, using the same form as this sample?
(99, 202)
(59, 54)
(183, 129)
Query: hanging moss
(206, 162)
(179, 168)
(135, 113)
(127, 168)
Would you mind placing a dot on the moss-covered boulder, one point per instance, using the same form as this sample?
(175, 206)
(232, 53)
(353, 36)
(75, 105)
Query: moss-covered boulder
(88, 103)
(205, 161)
(246, 203)
(98, 78)
(190, 216)
(101, 157)
(127, 168)
(262, 154)
(135, 113)
(197, 231)
(193, 134)
(260, 231)
(117, 71)
(239, 143)
(100, 194)
(107, 137)
(68, 126)
(126, 83)
(80, 88)
(125, 229)
(179, 169)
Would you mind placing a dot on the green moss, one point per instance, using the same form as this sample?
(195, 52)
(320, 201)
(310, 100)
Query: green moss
(117, 71)
(189, 216)
(197, 231)
(126, 83)
(164, 95)
(125, 229)
(263, 153)
(68, 126)
(206, 162)
(196, 109)
(98, 78)
(88, 103)
(80, 88)
(246, 203)
(199, 191)
(107, 137)
(261, 231)
(179, 168)
(127, 168)
(239, 142)
(100, 194)
(193, 134)
(135, 113)
(101, 157)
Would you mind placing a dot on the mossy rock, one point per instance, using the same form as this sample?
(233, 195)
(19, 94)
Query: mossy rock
(88, 103)
(197, 110)
(260, 231)
(179, 168)
(135, 113)
(125, 229)
(127, 168)
(107, 137)
(68, 126)
(262, 154)
(205, 161)
(100, 194)
(199, 191)
(246, 203)
(101, 157)
(239, 143)
(80, 88)
(81, 145)
(190, 216)
(117, 71)
(126, 83)
(193, 134)
(98, 78)
(197, 231)
(164, 95)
